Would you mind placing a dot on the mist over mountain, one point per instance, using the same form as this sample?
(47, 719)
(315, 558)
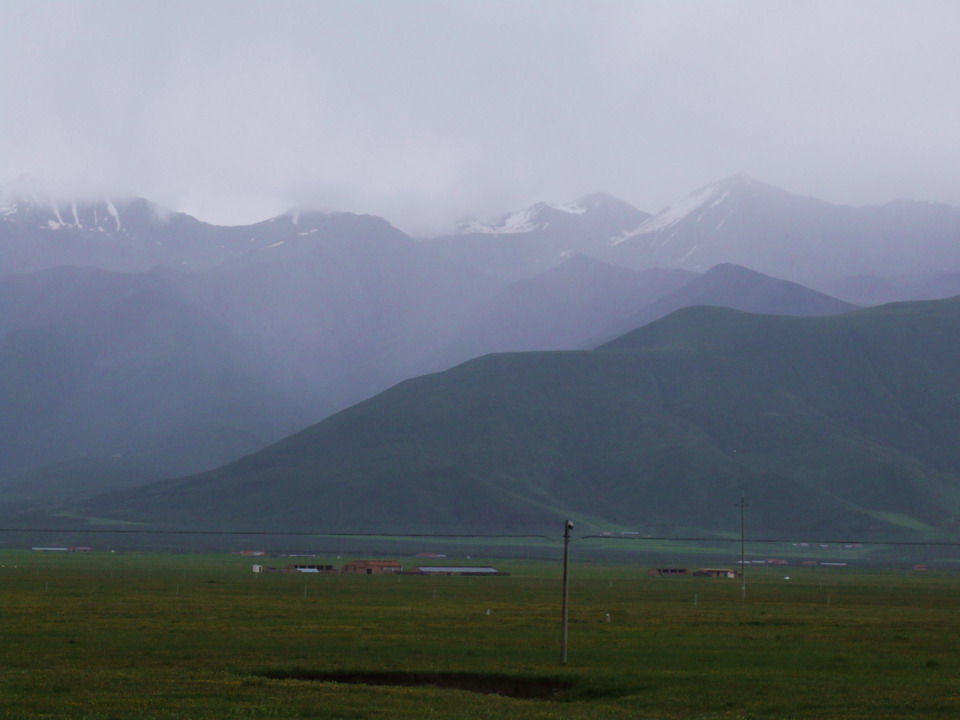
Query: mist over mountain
(185, 370)
(906, 247)
(97, 363)
(743, 221)
(48, 489)
(40, 230)
(351, 304)
(845, 425)
(731, 286)
(902, 246)
(533, 240)
(561, 308)
(875, 290)
(133, 333)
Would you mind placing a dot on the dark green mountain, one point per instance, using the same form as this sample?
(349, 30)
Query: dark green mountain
(841, 426)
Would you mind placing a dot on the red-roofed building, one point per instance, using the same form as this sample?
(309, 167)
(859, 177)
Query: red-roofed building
(372, 567)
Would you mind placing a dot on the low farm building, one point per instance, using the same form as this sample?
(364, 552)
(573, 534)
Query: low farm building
(667, 571)
(372, 567)
(455, 570)
(310, 568)
(296, 569)
(715, 572)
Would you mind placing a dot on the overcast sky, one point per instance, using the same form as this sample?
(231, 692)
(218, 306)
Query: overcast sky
(426, 112)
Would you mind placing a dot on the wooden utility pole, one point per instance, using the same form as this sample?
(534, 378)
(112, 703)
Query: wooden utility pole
(567, 527)
(743, 564)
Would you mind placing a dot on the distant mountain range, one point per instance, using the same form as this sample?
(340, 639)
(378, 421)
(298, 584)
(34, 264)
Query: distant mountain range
(162, 345)
(889, 251)
(527, 242)
(743, 221)
(39, 231)
(900, 250)
(841, 426)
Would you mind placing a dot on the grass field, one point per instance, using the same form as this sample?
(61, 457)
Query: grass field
(103, 635)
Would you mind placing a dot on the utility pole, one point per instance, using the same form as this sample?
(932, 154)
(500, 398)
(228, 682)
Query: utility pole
(567, 527)
(743, 564)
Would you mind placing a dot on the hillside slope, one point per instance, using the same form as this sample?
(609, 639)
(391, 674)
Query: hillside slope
(842, 426)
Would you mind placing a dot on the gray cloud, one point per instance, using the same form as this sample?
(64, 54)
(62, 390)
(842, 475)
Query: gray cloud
(427, 111)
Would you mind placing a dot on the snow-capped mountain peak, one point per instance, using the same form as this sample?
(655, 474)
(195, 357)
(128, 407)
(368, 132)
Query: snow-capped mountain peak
(542, 215)
(29, 201)
(710, 199)
(535, 217)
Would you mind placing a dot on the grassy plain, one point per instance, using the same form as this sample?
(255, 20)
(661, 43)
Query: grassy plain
(104, 635)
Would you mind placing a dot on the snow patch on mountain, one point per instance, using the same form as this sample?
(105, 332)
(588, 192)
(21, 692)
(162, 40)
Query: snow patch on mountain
(574, 208)
(29, 201)
(693, 208)
(521, 221)
(672, 215)
(112, 209)
(56, 214)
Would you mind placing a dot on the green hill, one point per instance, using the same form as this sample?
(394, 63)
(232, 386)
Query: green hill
(844, 426)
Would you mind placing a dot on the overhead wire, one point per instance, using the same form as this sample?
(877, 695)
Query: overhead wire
(480, 536)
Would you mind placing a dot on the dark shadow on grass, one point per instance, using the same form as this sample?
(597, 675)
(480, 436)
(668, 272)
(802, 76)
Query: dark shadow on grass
(527, 688)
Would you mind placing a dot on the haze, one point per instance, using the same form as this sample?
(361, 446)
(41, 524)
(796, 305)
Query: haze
(427, 112)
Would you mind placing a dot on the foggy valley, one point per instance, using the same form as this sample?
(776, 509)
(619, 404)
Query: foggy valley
(487, 360)
(141, 344)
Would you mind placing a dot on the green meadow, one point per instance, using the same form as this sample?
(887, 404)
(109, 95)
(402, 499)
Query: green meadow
(137, 635)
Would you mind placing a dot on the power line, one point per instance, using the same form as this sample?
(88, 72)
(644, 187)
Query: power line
(278, 533)
(771, 541)
(480, 536)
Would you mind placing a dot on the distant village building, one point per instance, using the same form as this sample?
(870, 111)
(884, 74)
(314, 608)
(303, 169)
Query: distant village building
(455, 570)
(299, 568)
(372, 567)
(250, 553)
(667, 571)
(715, 572)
